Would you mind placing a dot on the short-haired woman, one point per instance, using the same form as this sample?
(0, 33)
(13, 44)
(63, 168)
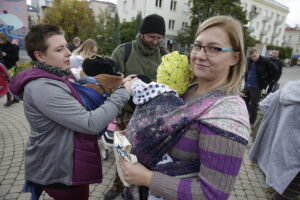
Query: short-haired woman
(62, 154)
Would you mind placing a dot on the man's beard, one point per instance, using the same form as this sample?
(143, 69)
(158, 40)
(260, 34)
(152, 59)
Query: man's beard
(147, 44)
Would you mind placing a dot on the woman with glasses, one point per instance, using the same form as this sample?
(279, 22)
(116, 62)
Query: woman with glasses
(87, 49)
(62, 155)
(206, 137)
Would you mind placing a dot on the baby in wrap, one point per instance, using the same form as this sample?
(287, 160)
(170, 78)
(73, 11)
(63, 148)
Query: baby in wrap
(153, 101)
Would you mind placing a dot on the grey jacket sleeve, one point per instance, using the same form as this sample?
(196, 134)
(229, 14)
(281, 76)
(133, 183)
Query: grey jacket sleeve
(54, 100)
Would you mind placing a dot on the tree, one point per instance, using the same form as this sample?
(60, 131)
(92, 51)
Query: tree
(116, 34)
(201, 10)
(73, 16)
(128, 31)
(138, 22)
(104, 28)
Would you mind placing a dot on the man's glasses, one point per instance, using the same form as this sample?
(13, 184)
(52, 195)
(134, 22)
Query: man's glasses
(210, 50)
(153, 38)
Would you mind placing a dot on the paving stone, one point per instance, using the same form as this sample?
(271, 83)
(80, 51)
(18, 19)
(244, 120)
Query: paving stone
(240, 193)
(24, 196)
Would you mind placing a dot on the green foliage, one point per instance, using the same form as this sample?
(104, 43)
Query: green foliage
(201, 10)
(73, 16)
(103, 37)
(285, 52)
(116, 33)
(128, 31)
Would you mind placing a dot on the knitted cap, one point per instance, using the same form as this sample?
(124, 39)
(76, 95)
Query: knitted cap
(153, 24)
(96, 65)
(175, 72)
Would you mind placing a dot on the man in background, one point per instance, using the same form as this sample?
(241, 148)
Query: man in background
(75, 44)
(275, 59)
(141, 57)
(259, 73)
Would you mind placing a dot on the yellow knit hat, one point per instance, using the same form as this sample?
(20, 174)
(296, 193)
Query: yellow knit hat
(175, 72)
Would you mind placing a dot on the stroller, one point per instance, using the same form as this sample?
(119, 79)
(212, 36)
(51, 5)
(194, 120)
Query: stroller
(107, 139)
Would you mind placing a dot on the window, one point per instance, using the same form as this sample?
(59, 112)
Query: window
(133, 4)
(171, 24)
(173, 5)
(290, 38)
(158, 3)
(184, 25)
(299, 39)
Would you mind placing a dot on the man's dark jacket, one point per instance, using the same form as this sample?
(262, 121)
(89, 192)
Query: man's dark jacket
(265, 71)
(279, 64)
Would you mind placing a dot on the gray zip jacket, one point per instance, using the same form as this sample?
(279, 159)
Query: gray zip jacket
(54, 115)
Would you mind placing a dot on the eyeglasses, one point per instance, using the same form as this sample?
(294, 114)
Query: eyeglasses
(210, 50)
(154, 38)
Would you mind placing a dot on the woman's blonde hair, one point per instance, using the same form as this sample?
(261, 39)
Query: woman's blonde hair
(86, 49)
(234, 30)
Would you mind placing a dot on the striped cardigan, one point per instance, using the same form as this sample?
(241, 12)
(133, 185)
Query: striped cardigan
(218, 139)
(211, 131)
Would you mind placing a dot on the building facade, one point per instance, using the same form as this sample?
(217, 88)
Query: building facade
(267, 20)
(103, 7)
(292, 39)
(175, 12)
(266, 17)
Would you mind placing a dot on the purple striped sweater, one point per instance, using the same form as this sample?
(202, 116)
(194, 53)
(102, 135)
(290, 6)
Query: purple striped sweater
(218, 144)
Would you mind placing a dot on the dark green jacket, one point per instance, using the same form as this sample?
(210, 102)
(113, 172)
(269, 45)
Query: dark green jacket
(142, 60)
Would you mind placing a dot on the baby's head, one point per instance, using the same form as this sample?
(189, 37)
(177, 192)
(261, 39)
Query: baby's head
(96, 65)
(175, 72)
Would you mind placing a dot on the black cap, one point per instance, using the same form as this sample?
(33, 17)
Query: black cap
(153, 24)
(96, 65)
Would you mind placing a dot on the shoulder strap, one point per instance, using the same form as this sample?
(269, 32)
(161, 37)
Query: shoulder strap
(128, 46)
(162, 51)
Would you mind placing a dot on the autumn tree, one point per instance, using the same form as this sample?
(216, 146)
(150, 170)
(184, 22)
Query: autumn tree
(73, 16)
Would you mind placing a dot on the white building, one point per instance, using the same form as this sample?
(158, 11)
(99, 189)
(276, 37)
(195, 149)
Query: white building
(102, 7)
(175, 12)
(292, 39)
(40, 5)
(266, 20)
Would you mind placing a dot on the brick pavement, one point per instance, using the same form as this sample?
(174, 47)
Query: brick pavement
(13, 135)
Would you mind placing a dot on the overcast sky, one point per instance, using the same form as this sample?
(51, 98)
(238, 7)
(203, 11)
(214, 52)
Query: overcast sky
(293, 17)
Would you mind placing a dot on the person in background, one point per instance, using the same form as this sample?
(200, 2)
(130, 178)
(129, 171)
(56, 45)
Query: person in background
(274, 85)
(75, 44)
(86, 49)
(207, 136)
(260, 72)
(62, 155)
(9, 55)
(141, 57)
(276, 147)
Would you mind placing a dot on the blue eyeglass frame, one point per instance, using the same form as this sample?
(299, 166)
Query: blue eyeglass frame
(219, 48)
